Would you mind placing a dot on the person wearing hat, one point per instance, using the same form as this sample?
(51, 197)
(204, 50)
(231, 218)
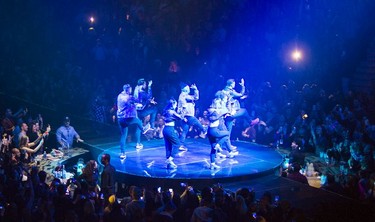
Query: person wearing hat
(66, 134)
(186, 108)
(145, 102)
(126, 116)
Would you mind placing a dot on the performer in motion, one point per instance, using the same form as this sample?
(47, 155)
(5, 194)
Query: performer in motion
(145, 103)
(169, 133)
(218, 134)
(186, 108)
(126, 116)
(233, 104)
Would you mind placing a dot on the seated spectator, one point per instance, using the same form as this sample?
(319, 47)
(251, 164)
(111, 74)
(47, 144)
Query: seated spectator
(294, 174)
(159, 126)
(332, 185)
(371, 190)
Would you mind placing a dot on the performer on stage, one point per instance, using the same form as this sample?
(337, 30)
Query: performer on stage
(169, 133)
(126, 116)
(146, 104)
(233, 104)
(218, 134)
(186, 108)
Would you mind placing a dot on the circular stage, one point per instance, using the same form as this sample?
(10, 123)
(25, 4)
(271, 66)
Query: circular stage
(147, 165)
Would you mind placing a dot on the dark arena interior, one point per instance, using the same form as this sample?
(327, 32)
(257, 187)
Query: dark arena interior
(187, 110)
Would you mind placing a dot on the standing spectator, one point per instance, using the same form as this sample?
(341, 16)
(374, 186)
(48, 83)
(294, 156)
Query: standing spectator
(65, 135)
(90, 174)
(36, 134)
(25, 147)
(296, 155)
(318, 140)
(205, 211)
(107, 177)
(10, 120)
(134, 210)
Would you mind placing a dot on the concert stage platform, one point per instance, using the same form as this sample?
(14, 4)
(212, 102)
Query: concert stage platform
(147, 166)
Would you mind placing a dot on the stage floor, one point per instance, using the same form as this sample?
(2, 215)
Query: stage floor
(253, 161)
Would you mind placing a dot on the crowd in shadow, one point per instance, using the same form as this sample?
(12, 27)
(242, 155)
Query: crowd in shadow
(335, 128)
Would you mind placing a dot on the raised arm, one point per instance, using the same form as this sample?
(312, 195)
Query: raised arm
(29, 150)
(242, 92)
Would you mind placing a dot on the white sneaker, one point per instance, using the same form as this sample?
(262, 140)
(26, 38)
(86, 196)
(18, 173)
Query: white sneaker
(139, 146)
(146, 128)
(218, 148)
(214, 166)
(203, 135)
(232, 154)
(170, 164)
(220, 155)
(122, 156)
(182, 148)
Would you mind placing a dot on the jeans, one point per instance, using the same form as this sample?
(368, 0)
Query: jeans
(152, 111)
(191, 121)
(170, 139)
(216, 136)
(124, 124)
(240, 113)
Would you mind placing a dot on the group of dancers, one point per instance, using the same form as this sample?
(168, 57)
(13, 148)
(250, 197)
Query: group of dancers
(222, 112)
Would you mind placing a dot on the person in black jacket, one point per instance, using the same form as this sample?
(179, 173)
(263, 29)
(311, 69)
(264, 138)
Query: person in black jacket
(107, 177)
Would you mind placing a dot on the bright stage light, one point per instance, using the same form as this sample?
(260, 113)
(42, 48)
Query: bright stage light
(92, 19)
(297, 55)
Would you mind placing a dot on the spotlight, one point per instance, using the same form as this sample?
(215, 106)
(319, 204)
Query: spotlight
(297, 55)
(92, 19)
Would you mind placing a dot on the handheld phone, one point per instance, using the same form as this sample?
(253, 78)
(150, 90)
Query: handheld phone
(277, 198)
(159, 189)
